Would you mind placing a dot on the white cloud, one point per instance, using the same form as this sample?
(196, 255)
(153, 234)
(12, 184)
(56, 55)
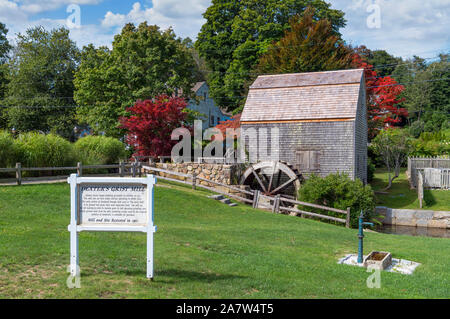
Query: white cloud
(36, 6)
(408, 27)
(17, 17)
(10, 12)
(185, 17)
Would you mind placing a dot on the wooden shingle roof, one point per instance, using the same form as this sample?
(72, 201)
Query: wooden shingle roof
(304, 96)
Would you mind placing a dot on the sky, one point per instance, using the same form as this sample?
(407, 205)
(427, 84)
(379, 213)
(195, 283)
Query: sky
(402, 27)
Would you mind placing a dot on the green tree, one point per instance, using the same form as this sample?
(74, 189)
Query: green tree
(427, 93)
(394, 146)
(383, 62)
(40, 88)
(144, 62)
(4, 51)
(5, 47)
(308, 46)
(237, 33)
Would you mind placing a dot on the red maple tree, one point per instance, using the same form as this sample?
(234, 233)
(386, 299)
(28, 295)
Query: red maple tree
(151, 123)
(382, 99)
(234, 123)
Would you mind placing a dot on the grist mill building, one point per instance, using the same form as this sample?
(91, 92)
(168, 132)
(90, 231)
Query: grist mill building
(321, 117)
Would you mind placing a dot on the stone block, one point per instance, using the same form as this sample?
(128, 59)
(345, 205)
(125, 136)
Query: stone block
(440, 223)
(424, 214)
(422, 223)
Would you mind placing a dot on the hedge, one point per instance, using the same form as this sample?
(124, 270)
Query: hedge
(38, 150)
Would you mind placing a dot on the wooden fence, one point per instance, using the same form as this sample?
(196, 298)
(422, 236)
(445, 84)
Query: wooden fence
(253, 196)
(123, 168)
(435, 170)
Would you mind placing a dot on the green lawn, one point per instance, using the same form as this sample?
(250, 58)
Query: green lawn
(203, 249)
(401, 196)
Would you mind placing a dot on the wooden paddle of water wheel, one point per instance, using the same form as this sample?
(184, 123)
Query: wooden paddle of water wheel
(273, 178)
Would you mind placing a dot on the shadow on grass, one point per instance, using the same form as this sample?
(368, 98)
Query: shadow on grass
(429, 198)
(170, 275)
(186, 275)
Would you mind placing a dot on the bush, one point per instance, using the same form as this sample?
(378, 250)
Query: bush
(39, 150)
(374, 158)
(417, 128)
(371, 168)
(100, 150)
(432, 144)
(9, 153)
(339, 191)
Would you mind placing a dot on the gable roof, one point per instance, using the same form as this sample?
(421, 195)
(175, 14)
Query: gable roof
(197, 86)
(304, 96)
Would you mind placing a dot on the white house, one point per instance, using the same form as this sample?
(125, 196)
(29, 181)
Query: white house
(212, 114)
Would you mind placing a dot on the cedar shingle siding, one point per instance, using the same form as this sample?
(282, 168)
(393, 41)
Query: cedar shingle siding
(321, 119)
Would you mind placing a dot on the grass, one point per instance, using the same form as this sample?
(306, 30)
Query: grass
(203, 249)
(401, 196)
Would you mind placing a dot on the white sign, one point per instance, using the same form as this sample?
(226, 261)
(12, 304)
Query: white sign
(111, 204)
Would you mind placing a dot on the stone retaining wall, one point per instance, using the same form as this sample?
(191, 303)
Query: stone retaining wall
(222, 173)
(416, 218)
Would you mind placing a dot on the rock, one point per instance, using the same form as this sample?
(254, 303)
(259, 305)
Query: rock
(438, 223)
(216, 197)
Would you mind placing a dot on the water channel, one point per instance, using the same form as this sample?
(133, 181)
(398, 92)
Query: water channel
(414, 231)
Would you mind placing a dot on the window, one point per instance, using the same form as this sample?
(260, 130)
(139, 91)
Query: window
(211, 120)
(308, 160)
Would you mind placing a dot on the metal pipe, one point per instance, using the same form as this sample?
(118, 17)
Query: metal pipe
(361, 236)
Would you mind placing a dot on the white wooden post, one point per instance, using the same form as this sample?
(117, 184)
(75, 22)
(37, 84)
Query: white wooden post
(74, 268)
(150, 227)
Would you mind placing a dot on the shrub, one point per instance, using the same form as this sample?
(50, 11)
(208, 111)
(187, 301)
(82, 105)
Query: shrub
(432, 144)
(371, 168)
(99, 150)
(39, 150)
(339, 191)
(417, 128)
(9, 152)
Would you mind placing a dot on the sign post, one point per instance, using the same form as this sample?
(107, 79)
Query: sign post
(111, 204)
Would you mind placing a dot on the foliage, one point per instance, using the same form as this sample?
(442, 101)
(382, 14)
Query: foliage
(383, 62)
(150, 125)
(144, 62)
(371, 168)
(383, 99)
(394, 146)
(9, 153)
(427, 92)
(40, 82)
(39, 150)
(99, 150)
(339, 191)
(4, 50)
(309, 45)
(237, 33)
(4, 43)
(417, 128)
(432, 144)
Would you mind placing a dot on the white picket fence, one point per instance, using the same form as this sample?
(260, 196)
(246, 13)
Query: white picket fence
(435, 171)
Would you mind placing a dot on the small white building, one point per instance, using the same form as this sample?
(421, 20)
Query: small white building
(212, 114)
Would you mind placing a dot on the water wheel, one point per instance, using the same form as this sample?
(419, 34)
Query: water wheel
(273, 178)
